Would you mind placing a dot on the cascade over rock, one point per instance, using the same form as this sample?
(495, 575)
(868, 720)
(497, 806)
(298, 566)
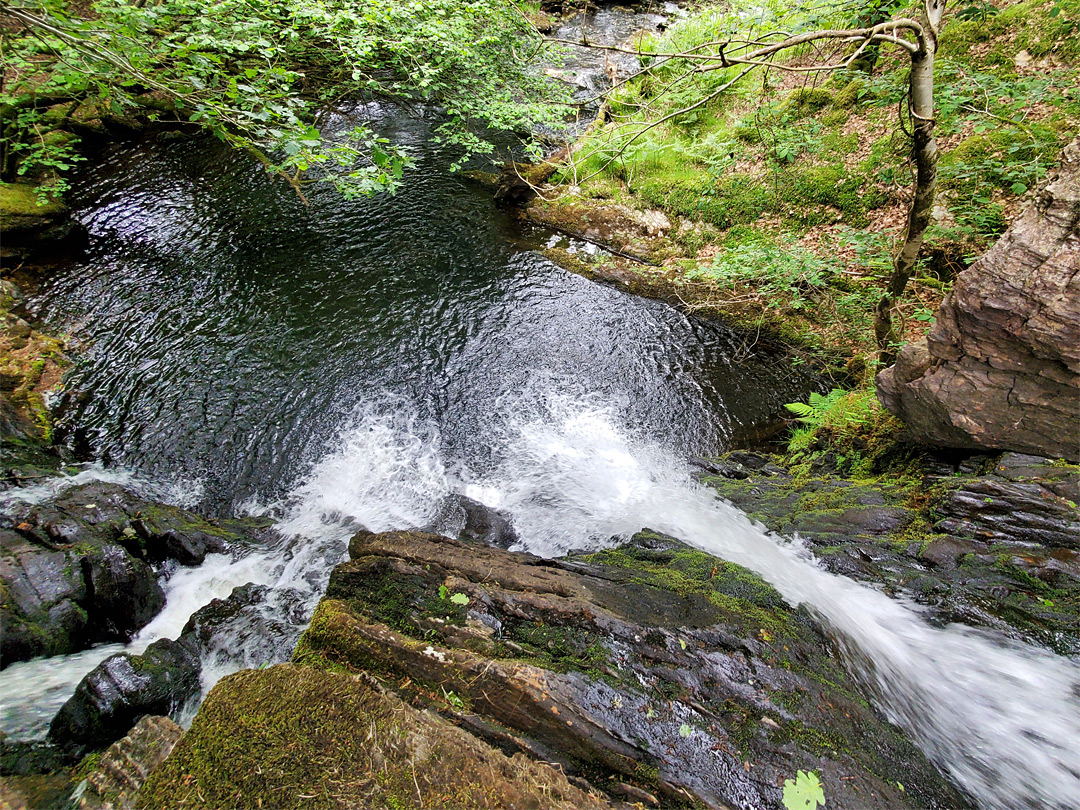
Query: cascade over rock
(82, 567)
(659, 673)
(1001, 366)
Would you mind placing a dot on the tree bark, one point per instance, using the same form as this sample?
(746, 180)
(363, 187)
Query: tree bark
(925, 152)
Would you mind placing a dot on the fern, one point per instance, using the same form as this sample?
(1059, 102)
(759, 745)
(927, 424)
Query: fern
(820, 409)
(804, 412)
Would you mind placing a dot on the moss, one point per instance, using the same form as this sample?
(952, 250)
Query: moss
(748, 133)
(804, 192)
(559, 648)
(397, 599)
(1023, 26)
(293, 737)
(740, 596)
(20, 200)
(332, 644)
(850, 94)
(806, 100)
(1030, 582)
(731, 200)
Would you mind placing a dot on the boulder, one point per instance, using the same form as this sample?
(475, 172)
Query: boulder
(293, 736)
(659, 673)
(123, 688)
(127, 764)
(83, 567)
(1000, 368)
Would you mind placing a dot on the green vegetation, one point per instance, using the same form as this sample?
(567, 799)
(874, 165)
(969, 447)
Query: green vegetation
(291, 736)
(803, 792)
(788, 191)
(852, 426)
(259, 77)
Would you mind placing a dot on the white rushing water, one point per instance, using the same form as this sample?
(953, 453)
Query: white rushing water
(1002, 718)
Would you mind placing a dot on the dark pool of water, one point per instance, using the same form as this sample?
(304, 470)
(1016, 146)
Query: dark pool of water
(230, 330)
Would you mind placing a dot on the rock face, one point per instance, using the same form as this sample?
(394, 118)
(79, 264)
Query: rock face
(988, 542)
(82, 568)
(123, 688)
(293, 736)
(658, 673)
(1001, 366)
(128, 762)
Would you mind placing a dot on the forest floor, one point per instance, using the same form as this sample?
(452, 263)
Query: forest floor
(779, 205)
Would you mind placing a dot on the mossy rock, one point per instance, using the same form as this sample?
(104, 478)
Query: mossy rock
(628, 664)
(21, 209)
(735, 199)
(804, 195)
(849, 95)
(291, 736)
(806, 100)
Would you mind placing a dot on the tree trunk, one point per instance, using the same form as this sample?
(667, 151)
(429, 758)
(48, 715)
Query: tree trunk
(925, 152)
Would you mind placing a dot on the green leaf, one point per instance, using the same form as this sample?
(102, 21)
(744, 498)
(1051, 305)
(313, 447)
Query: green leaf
(804, 793)
(459, 599)
(1018, 188)
(801, 409)
(685, 730)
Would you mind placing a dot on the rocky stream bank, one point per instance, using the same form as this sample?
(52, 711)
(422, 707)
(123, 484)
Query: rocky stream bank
(443, 672)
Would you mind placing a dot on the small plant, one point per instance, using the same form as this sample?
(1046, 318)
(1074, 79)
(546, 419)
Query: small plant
(924, 315)
(850, 424)
(817, 410)
(455, 701)
(979, 10)
(804, 792)
(455, 598)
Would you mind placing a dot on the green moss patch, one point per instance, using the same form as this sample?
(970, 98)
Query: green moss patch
(22, 200)
(296, 737)
(741, 597)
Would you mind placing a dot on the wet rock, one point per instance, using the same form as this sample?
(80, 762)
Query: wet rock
(35, 791)
(1007, 511)
(42, 593)
(1000, 368)
(487, 525)
(127, 764)
(253, 624)
(265, 737)
(651, 670)
(123, 688)
(83, 567)
(460, 516)
(24, 758)
(989, 542)
(946, 552)
(123, 593)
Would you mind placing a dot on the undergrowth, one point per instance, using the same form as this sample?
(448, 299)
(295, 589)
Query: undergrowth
(860, 437)
(792, 192)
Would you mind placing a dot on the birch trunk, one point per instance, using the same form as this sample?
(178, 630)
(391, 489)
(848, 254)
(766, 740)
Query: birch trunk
(925, 152)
